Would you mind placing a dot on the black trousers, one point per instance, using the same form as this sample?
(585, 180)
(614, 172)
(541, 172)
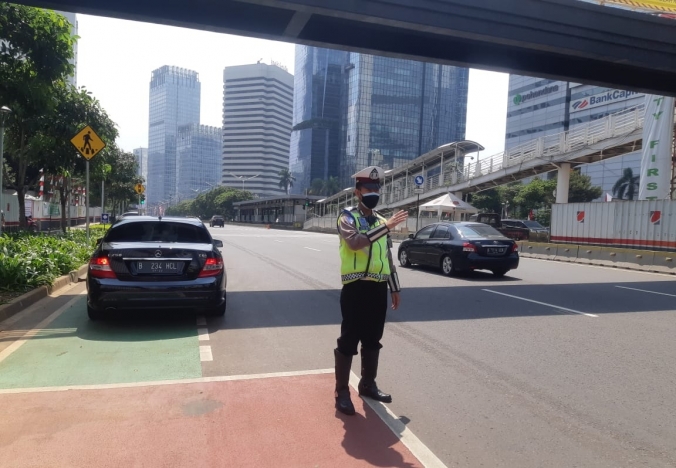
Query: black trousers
(363, 305)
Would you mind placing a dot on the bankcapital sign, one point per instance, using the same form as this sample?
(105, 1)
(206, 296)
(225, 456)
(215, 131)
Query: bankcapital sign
(601, 99)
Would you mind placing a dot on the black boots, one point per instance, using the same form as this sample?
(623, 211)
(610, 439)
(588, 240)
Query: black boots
(369, 371)
(343, 366)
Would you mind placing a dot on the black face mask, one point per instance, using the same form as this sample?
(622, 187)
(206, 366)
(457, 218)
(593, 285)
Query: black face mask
(370, 200)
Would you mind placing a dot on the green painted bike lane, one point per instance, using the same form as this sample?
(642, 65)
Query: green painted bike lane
(72, 350)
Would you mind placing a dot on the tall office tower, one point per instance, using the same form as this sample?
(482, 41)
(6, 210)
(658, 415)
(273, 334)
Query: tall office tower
(539, 107)
(257, 113)
(199, 159)
(174, 101)
(353, 110)
(318, 115)
(142, 161)
(72, 19)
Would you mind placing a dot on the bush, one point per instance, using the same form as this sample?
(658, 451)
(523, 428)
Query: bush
(28, 261)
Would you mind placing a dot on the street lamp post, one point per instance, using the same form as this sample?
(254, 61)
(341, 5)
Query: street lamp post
(243, 179)
(4, 112)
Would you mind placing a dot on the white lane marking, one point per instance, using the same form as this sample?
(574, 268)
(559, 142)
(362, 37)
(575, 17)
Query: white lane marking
(310, 248)
(412, 443)
(205, 354)
(224, 378)
(18, 343)
(646, 291)
(203, 334)
(201, 320)
(278, 241)
(542, 303)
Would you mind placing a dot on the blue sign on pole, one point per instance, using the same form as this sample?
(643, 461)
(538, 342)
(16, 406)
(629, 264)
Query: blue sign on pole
(419, 180)
(104, 218)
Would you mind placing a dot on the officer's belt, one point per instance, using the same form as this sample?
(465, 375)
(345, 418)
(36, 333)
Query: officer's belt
(368, 276)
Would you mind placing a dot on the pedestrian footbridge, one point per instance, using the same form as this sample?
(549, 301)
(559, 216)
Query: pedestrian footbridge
(451, 168)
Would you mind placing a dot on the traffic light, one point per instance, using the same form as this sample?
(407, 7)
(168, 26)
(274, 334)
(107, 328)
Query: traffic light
(143, 199)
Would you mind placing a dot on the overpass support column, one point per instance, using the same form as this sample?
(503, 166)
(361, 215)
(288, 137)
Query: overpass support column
(563, 183)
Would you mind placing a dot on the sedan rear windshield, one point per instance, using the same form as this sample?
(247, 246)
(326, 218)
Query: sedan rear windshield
(478, 231)
(158, 231)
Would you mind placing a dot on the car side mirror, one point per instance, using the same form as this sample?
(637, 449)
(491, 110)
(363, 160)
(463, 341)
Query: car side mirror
(98, 241)
(218, 243)
(411, 236)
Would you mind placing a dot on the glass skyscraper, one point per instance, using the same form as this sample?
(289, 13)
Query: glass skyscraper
(174, 101)
(353, 110)
(199, 159)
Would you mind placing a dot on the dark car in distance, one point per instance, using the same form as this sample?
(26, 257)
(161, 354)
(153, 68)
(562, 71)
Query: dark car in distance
(147, 262)
(217, 221)
(460, 246)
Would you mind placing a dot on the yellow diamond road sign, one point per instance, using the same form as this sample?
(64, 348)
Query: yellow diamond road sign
(139, 188)
(87, 142)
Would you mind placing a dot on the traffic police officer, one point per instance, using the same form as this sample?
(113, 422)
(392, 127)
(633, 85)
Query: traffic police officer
(366, 271)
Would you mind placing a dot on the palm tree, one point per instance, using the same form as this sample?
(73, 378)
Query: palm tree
(286, 180)
(317, 187)
(628, 184)
(331, 186)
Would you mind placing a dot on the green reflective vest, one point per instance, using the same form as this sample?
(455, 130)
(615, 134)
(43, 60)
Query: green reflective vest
(370, 262)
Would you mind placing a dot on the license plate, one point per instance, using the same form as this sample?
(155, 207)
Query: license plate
(159, 267)
(495, 250)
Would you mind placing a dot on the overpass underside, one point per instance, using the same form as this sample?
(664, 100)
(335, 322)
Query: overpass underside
(560, 39)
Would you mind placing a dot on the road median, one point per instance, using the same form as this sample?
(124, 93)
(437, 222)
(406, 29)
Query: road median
(612, 257)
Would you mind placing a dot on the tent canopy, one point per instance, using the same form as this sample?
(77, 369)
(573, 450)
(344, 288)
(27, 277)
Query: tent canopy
(448, 203)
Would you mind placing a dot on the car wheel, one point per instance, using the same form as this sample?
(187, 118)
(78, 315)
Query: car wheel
(403, 259)
(447, 266)
(500, 273)
(94, 314)
(220, 310)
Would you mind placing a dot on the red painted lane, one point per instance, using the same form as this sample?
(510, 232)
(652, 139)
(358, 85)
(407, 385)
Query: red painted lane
(273, 422)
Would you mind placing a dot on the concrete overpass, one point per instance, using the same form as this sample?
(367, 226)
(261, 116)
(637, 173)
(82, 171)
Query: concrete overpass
(560, 39)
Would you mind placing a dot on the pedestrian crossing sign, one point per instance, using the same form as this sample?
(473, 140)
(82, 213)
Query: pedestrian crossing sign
(87, 142)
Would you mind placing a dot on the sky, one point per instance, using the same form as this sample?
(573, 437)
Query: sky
(116, 58)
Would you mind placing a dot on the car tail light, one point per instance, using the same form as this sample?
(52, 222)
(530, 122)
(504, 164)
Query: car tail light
(212, 267)
(515, 247)
(468, 247)
(99, 267)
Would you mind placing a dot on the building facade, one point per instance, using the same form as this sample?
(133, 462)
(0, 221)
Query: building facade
(257, 114)
(353, 110)
(174, 102)
(141, 155)
(199, 159)
(541, 107)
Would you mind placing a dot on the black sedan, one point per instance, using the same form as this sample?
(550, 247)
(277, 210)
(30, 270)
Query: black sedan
(460, 246)
(145, 262)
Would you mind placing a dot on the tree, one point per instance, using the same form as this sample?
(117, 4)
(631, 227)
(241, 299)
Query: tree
(626, 185)
(581, 190)
(35, 48)
(488, 201)
(332, 186)
(122, 179)
(286, 180)
(317, 187)
(536, 195)
(73, 109)
(324, 187)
